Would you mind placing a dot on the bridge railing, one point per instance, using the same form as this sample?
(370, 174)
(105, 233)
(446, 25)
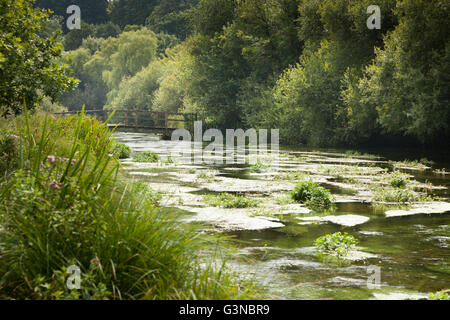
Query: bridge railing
(142, 119)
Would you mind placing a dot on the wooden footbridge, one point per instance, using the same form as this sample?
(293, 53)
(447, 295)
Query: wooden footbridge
(141, 120)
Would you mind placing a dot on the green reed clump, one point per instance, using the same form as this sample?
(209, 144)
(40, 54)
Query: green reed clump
(63, 206)
(313, 195)
(146, 156)
(228, 200)
(337, 244)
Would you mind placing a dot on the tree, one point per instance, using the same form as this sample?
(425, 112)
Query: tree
(30, 66)
(126, 12)
(408, 81)
(172, 17)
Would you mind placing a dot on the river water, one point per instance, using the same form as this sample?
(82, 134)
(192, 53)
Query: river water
(402, 254)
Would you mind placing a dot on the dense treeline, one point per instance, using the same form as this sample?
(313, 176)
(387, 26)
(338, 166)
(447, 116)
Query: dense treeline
(311, 68)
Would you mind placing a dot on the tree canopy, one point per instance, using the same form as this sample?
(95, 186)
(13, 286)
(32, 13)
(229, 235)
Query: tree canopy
(30, 66)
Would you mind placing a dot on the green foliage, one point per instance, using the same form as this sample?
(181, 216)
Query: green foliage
(336, 244)
(152, 196)
(137, 92)
(30, 66)
(131, 12)
(134, 50)
(398, 195)
(104, 67)
(312, 194)
(407, 82)
(440, 295)
(259, 167)
(172, 17)
(146, 156)
(9, 145)
(207, 175)
(64, 205)
(398, 179)
(74, 38)
(228, 200)
(120, 150)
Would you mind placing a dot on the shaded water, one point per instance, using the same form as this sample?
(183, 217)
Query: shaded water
(412, 252)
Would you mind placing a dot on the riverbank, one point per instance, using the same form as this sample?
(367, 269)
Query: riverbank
(72, 227)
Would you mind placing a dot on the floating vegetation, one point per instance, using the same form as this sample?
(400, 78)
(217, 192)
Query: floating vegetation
(284, 200)
(337, 244)
(146, 156)
(350, 170)
(409, 164)
(399, 195)
(191, 171)
(291, 176)
(357, 154)
(441, 171)
(207, 175)
(228, 200)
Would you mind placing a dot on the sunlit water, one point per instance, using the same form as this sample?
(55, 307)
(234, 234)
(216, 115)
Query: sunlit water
(412, 252)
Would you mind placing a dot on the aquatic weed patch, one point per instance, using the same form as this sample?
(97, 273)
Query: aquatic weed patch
(313, 195)
(337, 244)
(146, 156)
(228, 200)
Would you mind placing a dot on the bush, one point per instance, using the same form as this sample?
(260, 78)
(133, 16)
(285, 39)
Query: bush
(228, 200)
(146, 156)
(336, 244)
(120, 150)
(313, 195)
(65, 206)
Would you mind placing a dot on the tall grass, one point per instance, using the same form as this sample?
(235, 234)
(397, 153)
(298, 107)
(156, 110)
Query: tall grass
(63, 202)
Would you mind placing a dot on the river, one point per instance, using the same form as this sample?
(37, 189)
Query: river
(403, 251)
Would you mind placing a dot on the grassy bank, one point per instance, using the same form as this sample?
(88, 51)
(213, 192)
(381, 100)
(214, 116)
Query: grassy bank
(63, 206)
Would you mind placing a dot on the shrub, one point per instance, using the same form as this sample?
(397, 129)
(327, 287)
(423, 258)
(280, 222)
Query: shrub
(313, 195)
(64, 206)
(336, 244)
(228, 200)
(120, 150)
(146, 156)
